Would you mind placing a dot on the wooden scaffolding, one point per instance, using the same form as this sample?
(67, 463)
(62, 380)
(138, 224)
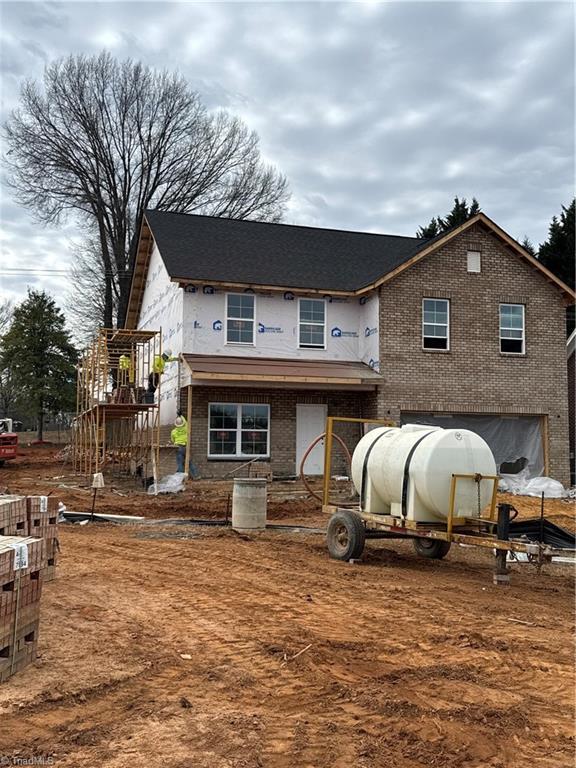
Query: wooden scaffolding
(117, 425)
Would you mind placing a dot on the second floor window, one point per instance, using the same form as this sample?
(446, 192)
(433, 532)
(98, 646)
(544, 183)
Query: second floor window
(312, 324)
(435, 324)
(240, 318)
(512, 328)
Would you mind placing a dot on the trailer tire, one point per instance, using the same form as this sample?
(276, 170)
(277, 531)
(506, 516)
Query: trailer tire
(433, 549)
(345, 536)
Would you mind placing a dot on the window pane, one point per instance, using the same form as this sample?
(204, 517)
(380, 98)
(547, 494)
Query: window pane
(223, 416)
(240, 331)
(254, 417)
(435, 311)
(254, 442)
(435, 342)
(312, 311)
(512, 314)
(511, 345)
(312, 335)
(241, 306)
(223, 442)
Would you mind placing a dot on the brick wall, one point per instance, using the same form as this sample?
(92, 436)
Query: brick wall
(282, 404)
(474, 377)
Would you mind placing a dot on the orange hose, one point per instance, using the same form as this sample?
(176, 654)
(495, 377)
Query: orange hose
(303, 461)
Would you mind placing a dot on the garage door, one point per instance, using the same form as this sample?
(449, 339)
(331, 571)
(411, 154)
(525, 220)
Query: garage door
(515, 441)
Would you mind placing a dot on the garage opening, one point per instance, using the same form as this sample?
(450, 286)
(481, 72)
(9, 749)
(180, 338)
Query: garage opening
(515, 441)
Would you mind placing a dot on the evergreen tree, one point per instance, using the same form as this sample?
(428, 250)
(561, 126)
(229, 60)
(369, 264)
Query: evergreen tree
(432, 230)
(528, 246)
(557, 253)
(459, 214)
(41, 359)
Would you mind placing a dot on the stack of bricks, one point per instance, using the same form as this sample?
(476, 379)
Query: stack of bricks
(13, 516)
(22, 560)
(42, 523)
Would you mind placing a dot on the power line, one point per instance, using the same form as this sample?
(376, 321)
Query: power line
(46, 271)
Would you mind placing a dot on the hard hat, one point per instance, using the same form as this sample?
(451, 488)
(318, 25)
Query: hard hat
(179, 422)
(167, 353)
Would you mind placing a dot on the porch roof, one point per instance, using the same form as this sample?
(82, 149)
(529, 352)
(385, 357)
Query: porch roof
(220, 369)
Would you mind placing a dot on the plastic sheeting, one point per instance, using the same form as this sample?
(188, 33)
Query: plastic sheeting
(515, 441)
(351, 327)
(168, 484)
(522, 485)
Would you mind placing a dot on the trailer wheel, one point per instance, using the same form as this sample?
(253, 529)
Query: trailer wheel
(433, 549)
(345, 536)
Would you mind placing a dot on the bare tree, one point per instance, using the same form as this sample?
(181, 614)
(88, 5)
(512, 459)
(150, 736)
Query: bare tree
(6, 308)
(108, 139)
(8, 389)
(86, 302)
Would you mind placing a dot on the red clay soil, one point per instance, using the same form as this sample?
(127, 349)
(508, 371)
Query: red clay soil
(41, 470)
(180, 647)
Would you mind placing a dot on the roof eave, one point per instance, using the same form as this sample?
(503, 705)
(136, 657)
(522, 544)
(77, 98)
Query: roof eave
(139, 272)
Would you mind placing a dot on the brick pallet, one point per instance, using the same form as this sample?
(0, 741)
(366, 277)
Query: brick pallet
(42, 521)
(21, 589)
(13, 516)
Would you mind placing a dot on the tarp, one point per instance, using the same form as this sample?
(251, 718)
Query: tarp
(515, 441)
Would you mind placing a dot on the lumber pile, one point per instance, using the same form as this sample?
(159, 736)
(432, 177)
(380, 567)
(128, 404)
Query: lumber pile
(28, 558)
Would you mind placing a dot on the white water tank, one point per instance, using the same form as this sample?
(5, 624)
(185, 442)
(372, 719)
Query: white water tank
(407, 472)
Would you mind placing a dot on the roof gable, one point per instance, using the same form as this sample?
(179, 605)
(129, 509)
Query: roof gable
(243, 253)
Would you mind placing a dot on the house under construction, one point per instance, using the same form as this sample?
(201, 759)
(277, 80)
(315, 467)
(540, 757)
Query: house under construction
(117, 424)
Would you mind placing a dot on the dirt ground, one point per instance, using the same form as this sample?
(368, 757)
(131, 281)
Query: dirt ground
(197, 647)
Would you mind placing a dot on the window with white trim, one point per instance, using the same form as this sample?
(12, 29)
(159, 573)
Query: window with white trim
(512, 335)
(240, 318)
(312, 323)
(238, 430)
(436, 324)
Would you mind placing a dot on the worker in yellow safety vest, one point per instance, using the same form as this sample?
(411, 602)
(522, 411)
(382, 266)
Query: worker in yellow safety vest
(179, 438)
(158, 369)
(126, 369)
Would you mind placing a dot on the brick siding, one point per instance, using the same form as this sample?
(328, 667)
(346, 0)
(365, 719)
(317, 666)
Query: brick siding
(282, 404)
(474, 377)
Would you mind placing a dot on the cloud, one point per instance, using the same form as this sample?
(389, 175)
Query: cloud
(378, 113)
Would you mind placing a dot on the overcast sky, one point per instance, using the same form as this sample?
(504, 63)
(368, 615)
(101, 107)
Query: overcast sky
(378, 113)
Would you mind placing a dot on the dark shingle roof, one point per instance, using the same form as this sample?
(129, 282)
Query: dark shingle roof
(212, 249)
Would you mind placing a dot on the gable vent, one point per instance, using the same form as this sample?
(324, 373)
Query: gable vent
(474, 261)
